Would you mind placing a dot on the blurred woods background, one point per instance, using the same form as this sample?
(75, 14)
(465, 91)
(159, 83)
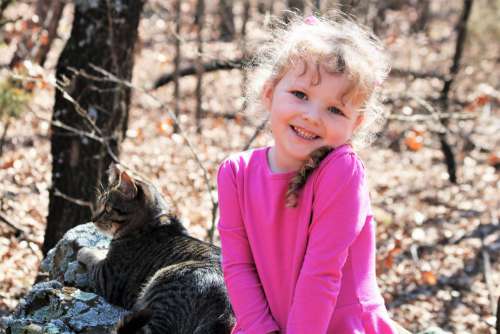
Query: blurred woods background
(158, 86)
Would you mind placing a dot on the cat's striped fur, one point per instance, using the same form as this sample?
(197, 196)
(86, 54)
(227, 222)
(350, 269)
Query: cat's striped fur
(172, 282)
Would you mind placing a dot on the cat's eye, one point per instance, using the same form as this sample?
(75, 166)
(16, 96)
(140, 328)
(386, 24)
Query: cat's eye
(336, 111)
(108, 208)
(298, 94)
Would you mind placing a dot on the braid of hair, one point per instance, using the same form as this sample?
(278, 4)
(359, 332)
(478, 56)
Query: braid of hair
(299, 180)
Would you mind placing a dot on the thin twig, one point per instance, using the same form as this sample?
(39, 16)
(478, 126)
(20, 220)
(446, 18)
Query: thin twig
(261, 126)
(4, 135)
(6, 220)
(487, 275)
(73, 200)
(113, 78)
(60, 87)
(424, 118)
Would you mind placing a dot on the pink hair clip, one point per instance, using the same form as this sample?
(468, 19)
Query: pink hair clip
(311, 20)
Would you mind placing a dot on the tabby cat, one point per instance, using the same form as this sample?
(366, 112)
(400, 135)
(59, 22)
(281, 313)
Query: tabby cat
(172, 282)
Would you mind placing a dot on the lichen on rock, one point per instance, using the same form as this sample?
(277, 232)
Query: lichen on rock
(65, 304)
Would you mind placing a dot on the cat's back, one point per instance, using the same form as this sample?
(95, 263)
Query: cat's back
(161, 246)
(181, 245)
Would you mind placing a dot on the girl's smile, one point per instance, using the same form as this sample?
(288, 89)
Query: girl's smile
(309, 109)
(303, 133)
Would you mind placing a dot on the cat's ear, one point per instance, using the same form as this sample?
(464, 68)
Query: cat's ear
(123, 182)
(113, 174)
(127, 186)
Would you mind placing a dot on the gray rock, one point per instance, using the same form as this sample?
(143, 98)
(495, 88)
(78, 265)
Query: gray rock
(61, 263)
(65, 304)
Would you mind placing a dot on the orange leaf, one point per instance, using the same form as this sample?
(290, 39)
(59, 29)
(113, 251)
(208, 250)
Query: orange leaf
(428, 277)
(44, 38)
(238, 119)
(170, 121)
(7, 164)
(42, 84)
(482, 100)
(29, 85)
(389, 261)
(391, 39)
(164, 127)
(414, 141)
(494, 159)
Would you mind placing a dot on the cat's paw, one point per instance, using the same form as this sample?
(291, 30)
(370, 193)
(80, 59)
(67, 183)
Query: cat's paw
(86, 256)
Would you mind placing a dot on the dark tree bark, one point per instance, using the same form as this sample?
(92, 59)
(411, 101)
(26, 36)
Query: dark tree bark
(461, 28)
(227, 28)
(295, 6)
(103, 35)
(199, 21)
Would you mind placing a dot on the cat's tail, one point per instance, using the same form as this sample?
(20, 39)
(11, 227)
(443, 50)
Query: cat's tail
(133, 322)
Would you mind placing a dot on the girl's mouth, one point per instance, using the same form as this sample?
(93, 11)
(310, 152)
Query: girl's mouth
(303, 133)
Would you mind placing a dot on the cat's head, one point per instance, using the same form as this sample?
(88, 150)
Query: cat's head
(127, 204)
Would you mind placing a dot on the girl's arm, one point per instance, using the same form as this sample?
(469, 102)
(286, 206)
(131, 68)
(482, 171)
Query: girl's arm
(243, 284)
(339, 213)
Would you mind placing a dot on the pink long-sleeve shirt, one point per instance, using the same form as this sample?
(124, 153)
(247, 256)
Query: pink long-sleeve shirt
(308, 269)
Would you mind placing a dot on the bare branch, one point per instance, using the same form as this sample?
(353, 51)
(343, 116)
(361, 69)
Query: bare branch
(214, 65)
(425, 118)
(112, 77)
(18, 231)
(73, 200)
(240, 63)
(261, 126)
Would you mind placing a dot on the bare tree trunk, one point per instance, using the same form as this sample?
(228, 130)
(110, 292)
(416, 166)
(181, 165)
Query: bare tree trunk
(423, 10)
(296, 6)
(244, 49)
(177, 60)
(461, 28)
(357, 8)
(227, 28)
(199, 20)
(103, 36)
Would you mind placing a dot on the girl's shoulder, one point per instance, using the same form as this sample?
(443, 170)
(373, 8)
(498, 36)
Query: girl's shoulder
(241, 161)
(341, 164)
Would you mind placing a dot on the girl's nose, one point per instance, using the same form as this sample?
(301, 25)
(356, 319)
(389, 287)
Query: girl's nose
(311, 114)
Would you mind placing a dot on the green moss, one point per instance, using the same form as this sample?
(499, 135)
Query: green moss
(12, 100)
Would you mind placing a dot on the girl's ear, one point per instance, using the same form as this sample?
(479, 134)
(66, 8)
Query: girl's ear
(267, 94)
(359, 120)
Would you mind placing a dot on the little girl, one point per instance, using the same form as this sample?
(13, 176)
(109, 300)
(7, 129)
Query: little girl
(296, 226)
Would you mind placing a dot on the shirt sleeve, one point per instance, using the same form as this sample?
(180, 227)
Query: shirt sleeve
(244, 287)
(340, 207)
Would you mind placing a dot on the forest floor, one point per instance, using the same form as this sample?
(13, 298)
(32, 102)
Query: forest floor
(438, 242)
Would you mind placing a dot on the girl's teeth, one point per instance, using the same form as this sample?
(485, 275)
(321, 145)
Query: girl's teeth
(303, 133)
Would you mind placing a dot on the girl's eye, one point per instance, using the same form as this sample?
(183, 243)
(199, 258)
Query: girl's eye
(299, 94)
(335, 110)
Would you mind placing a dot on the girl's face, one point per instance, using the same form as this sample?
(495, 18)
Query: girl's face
(306, 115)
